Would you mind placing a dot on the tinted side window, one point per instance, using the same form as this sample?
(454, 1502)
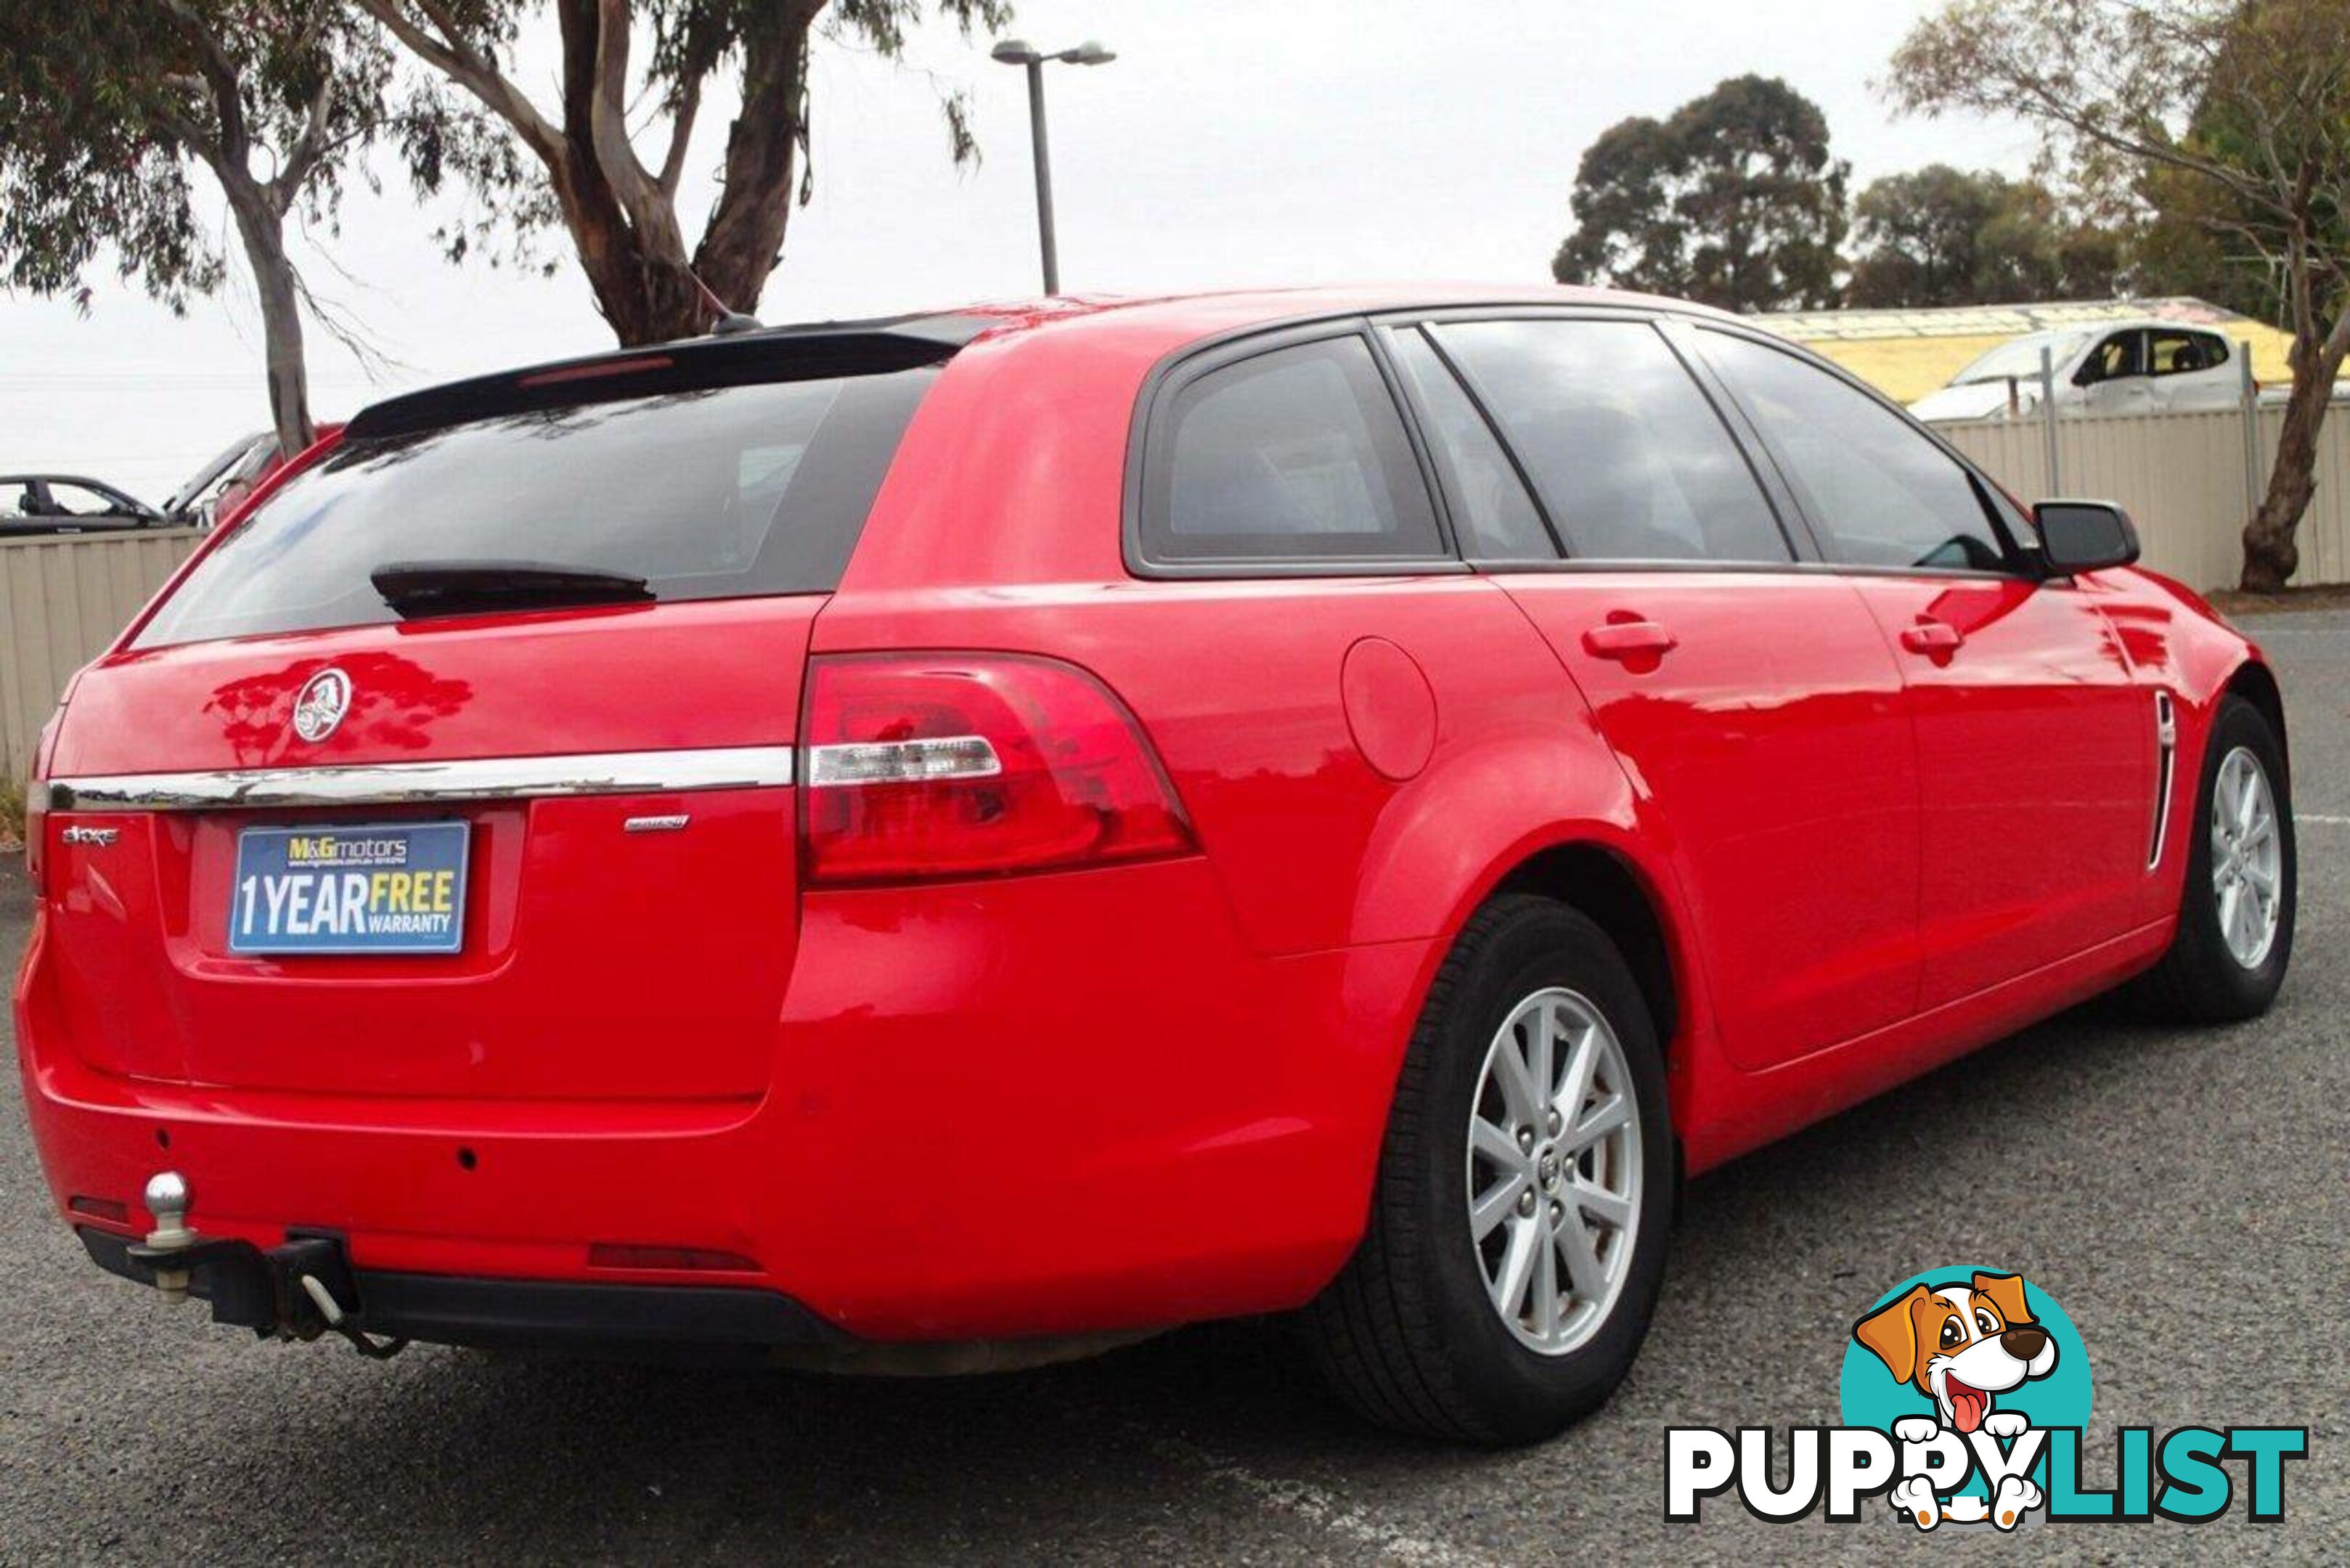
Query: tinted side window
(2121, 355)
(1631, 462)
(81, 500)
(1294, 453)
(1880, 493)
(2179, 353)
(1494, 516)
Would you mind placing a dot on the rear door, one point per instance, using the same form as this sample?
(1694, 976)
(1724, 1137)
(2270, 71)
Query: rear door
(2116, 382)
(600, 700)
(2038, 752)
(1750, 696)
(2191, 370)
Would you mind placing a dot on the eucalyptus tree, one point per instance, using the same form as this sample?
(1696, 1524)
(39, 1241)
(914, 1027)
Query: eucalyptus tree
(115, 114)
(1734, 199)
(607, 156)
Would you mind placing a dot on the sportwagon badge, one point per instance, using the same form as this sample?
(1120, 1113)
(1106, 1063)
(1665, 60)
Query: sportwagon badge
(321, 704)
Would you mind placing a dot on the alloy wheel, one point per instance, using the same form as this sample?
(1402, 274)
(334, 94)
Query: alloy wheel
(2247, 859)
(1554, 1170)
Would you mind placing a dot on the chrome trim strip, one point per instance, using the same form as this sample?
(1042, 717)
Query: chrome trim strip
(2166, 774)
(406, 784)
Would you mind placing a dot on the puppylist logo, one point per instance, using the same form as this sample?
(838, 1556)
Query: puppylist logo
(1965, 1391)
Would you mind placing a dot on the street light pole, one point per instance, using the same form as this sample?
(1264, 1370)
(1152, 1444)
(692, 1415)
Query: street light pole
(1040, 149)
(1014, 52)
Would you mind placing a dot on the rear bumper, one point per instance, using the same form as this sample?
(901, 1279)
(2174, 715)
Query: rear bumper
(1052, 1106)
(662, 1322)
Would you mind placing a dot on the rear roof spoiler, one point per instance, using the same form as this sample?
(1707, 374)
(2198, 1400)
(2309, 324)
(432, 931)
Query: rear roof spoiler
(796, 353)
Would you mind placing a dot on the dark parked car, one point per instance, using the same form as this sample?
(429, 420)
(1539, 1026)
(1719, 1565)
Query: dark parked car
(67, 504)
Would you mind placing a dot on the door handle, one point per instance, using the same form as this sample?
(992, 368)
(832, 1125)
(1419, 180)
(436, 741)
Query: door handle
(1629, 640)
(1937, 639)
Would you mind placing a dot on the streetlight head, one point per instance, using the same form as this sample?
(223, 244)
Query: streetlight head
(1092, 52)
(1014, 52)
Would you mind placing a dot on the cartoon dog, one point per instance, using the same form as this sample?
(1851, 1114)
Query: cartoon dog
(1961, 1345)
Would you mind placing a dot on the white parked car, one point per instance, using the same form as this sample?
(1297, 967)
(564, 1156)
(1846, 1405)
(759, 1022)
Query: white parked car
(2147, 367)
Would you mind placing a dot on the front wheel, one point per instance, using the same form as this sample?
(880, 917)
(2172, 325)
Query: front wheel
(1525, 1190)
(2236, 913)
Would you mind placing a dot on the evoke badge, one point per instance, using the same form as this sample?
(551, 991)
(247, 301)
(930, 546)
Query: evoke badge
(96, 837)
(321, 704)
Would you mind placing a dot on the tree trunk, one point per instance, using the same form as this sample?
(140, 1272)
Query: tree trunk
(261, 227)
(622, 217)
(2271, 555)
(744, 239)
(646, 297)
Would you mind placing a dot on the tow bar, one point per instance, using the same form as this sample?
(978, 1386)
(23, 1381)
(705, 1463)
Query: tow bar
(300, 1288)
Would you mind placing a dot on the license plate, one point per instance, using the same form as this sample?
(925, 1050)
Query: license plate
(391, 887)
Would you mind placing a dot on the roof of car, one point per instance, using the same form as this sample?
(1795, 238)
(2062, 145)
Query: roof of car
(1151, 324)
(1218, 308)
(62, 479)
(1205, 312)
(2120, 324)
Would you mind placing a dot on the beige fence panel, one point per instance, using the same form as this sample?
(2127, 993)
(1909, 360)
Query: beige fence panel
(2181, 477)
(62, 600)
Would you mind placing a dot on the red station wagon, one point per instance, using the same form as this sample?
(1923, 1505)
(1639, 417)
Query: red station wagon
(948, 842)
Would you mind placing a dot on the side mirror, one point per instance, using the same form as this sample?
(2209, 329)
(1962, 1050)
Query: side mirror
(2084, 535)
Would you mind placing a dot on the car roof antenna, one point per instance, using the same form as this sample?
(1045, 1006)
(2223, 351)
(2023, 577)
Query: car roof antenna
(730, 321)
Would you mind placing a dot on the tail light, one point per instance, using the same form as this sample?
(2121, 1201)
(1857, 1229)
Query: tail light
(37, 811)
(36, 803)
(923, 766)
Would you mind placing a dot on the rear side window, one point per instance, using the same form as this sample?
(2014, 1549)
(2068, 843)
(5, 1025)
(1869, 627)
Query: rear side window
(1880, 492)
(1297, 453)
(1493, 514)
(1631, 462)
(2183, 353)
(716, 492)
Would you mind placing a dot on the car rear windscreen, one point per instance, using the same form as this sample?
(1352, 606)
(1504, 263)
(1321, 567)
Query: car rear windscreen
(710, 493)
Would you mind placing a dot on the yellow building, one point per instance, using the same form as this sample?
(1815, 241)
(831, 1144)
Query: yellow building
(1907, 354)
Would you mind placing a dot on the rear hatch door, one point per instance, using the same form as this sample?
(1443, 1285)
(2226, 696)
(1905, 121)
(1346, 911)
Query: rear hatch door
(615, 762)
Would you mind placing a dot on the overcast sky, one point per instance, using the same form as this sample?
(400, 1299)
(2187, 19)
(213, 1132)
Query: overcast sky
(1231, 143)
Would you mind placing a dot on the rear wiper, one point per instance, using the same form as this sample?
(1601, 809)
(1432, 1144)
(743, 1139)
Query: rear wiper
(417, 589)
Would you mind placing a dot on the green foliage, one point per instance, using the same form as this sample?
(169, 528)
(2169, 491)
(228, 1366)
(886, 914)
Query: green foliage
(12, 811)
(2222, 125)
(630, 74)
(1942, 236)
(1733, 200)
(2231, 119)
(2206, 238)
(107, 107)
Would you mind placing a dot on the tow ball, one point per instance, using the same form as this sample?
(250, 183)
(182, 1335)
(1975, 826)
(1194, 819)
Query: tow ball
(167, 1200)
(300, 1288)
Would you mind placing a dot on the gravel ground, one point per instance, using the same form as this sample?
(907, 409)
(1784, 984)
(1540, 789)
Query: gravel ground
(2183, 1195)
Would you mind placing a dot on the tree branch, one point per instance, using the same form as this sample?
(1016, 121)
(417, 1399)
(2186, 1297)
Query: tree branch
(443, 46)
(681, 134)
(608, 125)
(304, 157)
(220, 73)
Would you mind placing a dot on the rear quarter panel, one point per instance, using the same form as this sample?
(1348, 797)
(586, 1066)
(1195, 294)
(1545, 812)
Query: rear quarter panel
(2176, 640)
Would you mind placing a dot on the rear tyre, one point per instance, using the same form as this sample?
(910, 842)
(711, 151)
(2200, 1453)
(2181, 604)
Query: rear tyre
(1524, 1194)
(2236, 912)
